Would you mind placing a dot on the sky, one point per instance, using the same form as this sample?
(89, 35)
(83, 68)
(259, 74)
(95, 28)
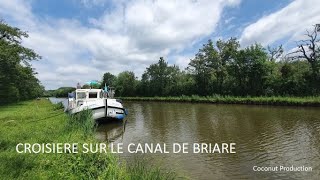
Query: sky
(80, 40)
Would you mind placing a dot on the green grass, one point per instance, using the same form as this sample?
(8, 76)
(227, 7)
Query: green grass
(274, 100)
(39, 121)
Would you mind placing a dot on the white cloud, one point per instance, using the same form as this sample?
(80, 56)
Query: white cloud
(227, 21)
(131, 36)
(17, 10)
(183, 60)
(289, 22)
(92, 3)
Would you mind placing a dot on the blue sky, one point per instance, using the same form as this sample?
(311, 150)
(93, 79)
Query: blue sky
(80, 40)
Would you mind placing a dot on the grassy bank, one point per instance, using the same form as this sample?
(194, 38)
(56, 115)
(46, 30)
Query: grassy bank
(284, 101)
(41, 122)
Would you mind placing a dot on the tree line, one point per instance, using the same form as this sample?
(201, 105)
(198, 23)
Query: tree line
(17, 77)
(225, 68)
(222, 67)
(60, 92)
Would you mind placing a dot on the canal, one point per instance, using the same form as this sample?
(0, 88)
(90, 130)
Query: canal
(265, 136)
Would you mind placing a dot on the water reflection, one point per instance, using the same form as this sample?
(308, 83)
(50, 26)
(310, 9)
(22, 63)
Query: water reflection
(110, 130)
(265, 136)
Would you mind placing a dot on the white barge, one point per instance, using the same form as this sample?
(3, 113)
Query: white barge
(100, 102)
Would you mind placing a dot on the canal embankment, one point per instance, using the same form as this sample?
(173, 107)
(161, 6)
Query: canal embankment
(41, 122)
(273, 100)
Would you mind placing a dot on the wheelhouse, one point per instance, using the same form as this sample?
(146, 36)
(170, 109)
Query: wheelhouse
(88, 94)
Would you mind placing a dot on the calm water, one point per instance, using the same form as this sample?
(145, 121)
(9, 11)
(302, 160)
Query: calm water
(57, 100)
(264, 136)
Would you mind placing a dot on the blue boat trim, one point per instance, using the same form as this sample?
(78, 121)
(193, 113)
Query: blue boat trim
(120, 116)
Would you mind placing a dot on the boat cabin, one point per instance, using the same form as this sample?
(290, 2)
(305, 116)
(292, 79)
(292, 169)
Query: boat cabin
(87, 94)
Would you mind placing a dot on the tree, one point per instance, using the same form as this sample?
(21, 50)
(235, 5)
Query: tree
(108, 79)
(309, 49)
(211, 63)
(143, 87)
(172, 80)
(185, 84)
(225, 68)
(160, 79)
(239, 71)
(126, 84)
(86, 86)
(258, 69)
(63, 91)
(292, 78)
(250, 70)
(227, 51)
(200, 68)
(275, 53)
(17, 78)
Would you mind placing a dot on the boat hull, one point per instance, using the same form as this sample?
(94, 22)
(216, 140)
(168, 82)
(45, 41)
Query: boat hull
(96, 100)
(98, 113)
(115, 113)
(103, 113)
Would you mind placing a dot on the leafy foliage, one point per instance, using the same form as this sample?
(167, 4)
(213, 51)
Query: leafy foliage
(60, 92)
(160, 79)
(226, 69)
(126, 84)
(108, 79)
(17, 77)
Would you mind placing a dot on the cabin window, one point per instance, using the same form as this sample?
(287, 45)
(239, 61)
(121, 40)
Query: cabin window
(81, 95)
(93, 95)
